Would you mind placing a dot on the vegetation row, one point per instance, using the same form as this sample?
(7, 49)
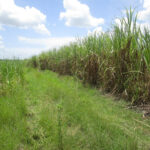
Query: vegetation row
(117, 61)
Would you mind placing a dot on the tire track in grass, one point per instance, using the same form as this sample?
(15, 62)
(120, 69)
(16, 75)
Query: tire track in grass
(35, 132)
(44, 114)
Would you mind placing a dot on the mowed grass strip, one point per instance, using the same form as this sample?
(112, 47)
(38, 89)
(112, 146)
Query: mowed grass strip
(69, 116)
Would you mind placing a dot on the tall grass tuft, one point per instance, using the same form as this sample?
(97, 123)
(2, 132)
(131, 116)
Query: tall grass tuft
(11, 73)
(117, 61)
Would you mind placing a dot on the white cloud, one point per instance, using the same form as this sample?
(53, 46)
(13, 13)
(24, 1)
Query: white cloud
(144, 15)
(47, 43)
(118, 22)
(42, 29)
(78, 14)
(33, 46)
(146, 3)
(23, 17)
(96, 31)
(18, 52)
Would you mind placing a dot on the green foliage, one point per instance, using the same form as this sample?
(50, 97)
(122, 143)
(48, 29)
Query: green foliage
(11, 74)
(12, 105)
(13, 120)
(117, 61)
(53, 112)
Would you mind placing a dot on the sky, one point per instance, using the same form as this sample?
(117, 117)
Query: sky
(29, 27)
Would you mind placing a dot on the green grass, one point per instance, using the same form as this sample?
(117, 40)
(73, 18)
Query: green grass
(50, 112)
(12, 119)
(63, 114)
(12, 104)
(11, 74)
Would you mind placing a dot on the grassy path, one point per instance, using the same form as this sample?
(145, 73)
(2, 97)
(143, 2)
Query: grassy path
(61, 114)
(64, 115)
